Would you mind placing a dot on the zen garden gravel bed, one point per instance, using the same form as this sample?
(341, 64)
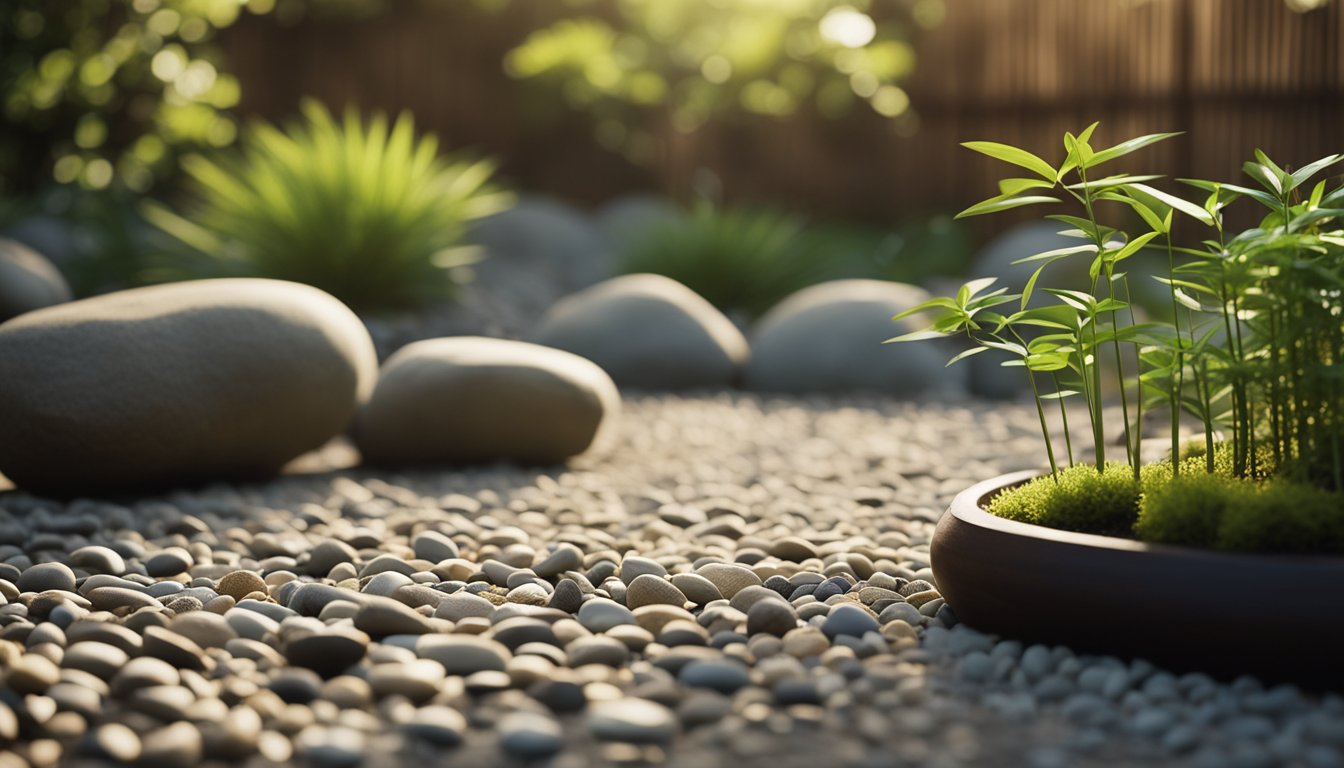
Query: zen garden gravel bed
(735, 580)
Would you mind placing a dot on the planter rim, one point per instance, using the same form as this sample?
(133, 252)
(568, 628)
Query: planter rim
(967, 507)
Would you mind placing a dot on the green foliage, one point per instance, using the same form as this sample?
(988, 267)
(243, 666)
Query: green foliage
(746, 260)
(97, 236)
(1214, 510)
(1253, 343)
(364, 210)
(1187, 511)
(97, 91)
(1079, 499)
(680, 63)
(740, 260)
(1283, 516)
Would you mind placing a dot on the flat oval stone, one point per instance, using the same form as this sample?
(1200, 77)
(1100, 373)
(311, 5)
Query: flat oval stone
(96, 559)
(648, 331)
(439, 725)
(189, 381)
(463, 654)
(473, 399)
(328, 653)
(849, 620)
(417, 680)
(240, 584)
(729, 578)
(28, 281)
(820, 339)
(434, 547)
(648, 589)
(169, 562)
(530, 735)
(722, 675)
(461, 605)
(637, 721)
(99, 659)
(45, 576)
(599, 615)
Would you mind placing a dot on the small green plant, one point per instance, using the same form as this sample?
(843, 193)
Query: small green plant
(742, 260)
(1252, 343)
(746, 260)
(366, 211)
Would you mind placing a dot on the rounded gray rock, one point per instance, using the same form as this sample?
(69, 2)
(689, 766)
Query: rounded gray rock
(45, 576)
(434, 546)
(476, 399)
(648, 331)
(636, 721)
(28, 281)
(530, 735)
(647, 589)
(206, 379)
(828, 338)
(849, 620)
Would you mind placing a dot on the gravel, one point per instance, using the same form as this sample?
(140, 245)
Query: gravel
(738, 580)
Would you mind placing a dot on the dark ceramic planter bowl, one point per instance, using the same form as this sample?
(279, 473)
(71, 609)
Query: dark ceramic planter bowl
(1277, 617)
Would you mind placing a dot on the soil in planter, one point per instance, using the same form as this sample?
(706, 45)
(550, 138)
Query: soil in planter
(1201, 509)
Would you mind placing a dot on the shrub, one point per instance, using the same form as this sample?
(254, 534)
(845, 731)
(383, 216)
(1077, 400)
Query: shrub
(367, 212)
(745, 260)
(740, 260)
(97, 91)
(1083, 500)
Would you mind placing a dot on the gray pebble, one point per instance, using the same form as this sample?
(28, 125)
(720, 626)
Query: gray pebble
(46, 576)
(530, 735)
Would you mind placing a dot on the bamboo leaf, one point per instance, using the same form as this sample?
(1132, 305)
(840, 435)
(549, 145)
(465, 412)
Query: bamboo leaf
(1133, 247)
(1058, 253)
(1009, 154)
(968, 353)
(1310, 169)
(1002, 203)
(1018, 186)
(916, 336)
(1260, 196)
(941, 302)
(1264, 175)
(1184, 299)
(1126, 147)
(1188, 208)
(1061, 394)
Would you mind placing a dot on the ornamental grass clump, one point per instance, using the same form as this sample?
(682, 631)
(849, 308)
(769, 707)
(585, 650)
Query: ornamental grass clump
(1251, 344)
(367, 211)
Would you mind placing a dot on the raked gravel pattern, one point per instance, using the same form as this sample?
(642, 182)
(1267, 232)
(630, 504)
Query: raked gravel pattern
(735, 581)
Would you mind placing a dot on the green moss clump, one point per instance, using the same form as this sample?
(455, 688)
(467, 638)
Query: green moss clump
(1188, 510)
(1083, 499)
(1198, 509)
(1283, 516)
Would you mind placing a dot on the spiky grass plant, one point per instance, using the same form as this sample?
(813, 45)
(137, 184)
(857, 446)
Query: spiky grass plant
(365, 210)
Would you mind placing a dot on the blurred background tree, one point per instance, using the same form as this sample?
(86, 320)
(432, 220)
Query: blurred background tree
(643, 67)
(97, 91)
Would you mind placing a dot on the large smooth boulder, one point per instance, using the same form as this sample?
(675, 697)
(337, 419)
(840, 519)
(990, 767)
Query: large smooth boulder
(547, 238)
(627, 218)
(828, 338)
(648, 331)
(467, 399)
(204, 380)
(27, 281)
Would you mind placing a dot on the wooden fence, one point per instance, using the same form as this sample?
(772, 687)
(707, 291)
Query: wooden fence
(1233, 74)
